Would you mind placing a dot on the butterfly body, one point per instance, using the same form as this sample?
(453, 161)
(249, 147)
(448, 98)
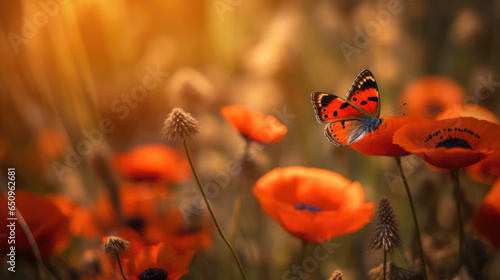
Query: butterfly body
(349, 120)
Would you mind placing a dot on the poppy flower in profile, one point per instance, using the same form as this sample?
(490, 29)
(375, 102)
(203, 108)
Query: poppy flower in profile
(154, 162)
(254, 126)
(431, 95)
(450, 143)
(159, 262)
(313, 204)
(49, 226)
(379, 143)
(487, 219)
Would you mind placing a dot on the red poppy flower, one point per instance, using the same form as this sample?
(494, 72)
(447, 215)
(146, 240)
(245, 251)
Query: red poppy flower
(431, 95)
(313, 204)
(379, 143)
(488, 169)
(154, 162)
(138, 203)
(254, 126)
(172, 228)
(81, 220)
(450, 143)
(150, 214)
(159, 262)
(49, 226)
(487, 219)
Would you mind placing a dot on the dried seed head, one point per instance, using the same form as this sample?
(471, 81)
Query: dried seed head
(179, 125)
(337, 275)
(394, 272)
(385, 236)
(115, 244)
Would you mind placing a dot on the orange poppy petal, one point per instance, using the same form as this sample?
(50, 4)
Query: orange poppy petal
(487, 219)
(452, 158)
(254, 126)
(154, 162)
(379, 143)
(319, 227)
(175, 264)
(82, 221)
(237, 116)
(49, 226)
(181, 243)
(336, 205)
(293, 184)
(487, 170)
(160, 256)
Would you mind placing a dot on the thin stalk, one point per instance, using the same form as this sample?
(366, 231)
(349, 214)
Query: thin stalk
(456, 180)
(237, 211)
(385, 264)
(415, 221)
(242, 271)
(303, 250)
(239, 198)
(120, 265)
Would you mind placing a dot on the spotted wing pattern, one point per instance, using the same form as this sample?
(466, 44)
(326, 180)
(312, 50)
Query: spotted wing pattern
(364, 94)
(329, 107)
(345, 132)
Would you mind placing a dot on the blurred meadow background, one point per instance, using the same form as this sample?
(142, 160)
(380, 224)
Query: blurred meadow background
(86, 86)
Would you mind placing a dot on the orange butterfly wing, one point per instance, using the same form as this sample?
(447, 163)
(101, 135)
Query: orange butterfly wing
(364, 94)
(329, 107)
(345, 132)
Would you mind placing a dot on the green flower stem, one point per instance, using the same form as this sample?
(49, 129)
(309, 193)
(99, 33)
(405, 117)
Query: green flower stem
(456, 180)
(120, 265)
(415, 221)
(242, 271)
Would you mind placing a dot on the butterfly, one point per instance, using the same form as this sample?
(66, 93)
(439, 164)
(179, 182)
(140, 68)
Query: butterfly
(351, 119)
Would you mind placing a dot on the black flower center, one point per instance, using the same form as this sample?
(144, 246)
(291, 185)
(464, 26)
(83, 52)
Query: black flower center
(452, 137)
(308, 207)
(153, 274)
(453, 143)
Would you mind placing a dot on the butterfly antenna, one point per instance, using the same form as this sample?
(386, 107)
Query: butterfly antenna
(404, 114)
